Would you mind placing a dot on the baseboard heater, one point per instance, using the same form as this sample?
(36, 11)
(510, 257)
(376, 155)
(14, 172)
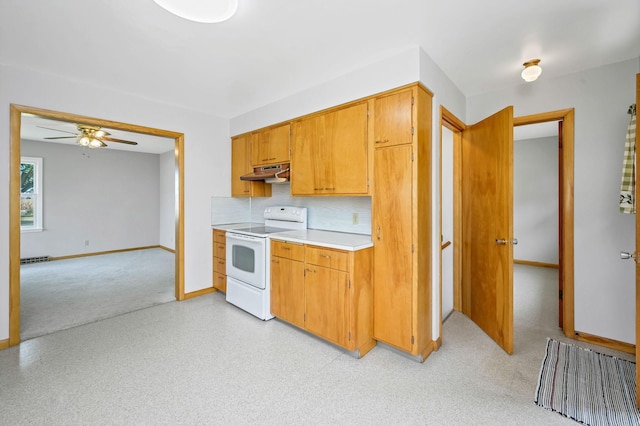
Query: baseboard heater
(35, 259)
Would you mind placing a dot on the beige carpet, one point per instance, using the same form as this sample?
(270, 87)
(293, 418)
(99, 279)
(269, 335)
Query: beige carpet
(66, 293)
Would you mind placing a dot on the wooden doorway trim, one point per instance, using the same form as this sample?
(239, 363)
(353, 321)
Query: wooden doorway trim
(566, 116)
(453, 123)
(16, 112)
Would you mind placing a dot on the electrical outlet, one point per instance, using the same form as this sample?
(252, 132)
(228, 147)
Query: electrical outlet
(356, 219)
(86, 242)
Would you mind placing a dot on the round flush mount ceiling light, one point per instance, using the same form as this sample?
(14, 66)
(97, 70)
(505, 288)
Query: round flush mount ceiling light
(204, 11)
(531, 70)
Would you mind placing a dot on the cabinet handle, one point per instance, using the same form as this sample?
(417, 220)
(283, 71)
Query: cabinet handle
(271, 158)
(378, 232)
(285, 248)
(275, 261)
(311, 270)
(220, 262)
(325, 256)
(318, 189)
(384, 141)
(220, 247)
(330, 189)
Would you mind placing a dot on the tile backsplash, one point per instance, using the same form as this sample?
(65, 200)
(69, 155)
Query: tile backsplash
(327, 213)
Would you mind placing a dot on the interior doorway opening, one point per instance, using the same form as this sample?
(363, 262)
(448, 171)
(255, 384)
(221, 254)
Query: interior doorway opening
(452, 130)
(16, 112)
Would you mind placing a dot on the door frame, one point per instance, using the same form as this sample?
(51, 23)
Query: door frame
(16, 112)
(566, 209)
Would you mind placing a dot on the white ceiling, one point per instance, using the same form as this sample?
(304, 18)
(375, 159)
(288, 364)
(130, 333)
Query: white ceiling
(36, 128)
(272, 49)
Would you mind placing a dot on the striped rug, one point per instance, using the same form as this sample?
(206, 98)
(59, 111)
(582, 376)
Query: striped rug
(586, 386)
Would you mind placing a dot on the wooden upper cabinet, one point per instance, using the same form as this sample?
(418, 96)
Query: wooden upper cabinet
(240, 165)
(393, 119)
(329, 153)
(270, 146)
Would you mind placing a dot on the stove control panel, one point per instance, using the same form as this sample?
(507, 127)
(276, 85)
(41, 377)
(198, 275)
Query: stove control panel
(286, 214)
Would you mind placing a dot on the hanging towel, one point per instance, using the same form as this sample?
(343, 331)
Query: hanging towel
(628, 187)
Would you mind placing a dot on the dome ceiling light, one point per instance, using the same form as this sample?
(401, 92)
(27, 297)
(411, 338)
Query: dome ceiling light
(204, 11)
(531, 70)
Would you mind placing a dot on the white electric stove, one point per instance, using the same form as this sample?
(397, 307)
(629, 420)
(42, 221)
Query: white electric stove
(248, 253)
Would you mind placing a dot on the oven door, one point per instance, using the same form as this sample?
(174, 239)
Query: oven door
(246, 259)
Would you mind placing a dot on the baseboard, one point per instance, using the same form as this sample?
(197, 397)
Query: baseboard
(607, 343)
(98, 253)
(4, 344)
(438, 343)
(532, 263)
(167, 249)
(199, 293)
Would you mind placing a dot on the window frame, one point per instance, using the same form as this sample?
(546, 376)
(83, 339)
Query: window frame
(37, 194)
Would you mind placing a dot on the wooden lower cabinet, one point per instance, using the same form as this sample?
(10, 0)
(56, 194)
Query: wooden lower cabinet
(324, 291)
(287, 292)
(219, 260)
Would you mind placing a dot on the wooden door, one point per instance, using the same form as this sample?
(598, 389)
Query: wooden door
(393, 116)
(392, 236)
(270, 146)
(329, 153)
(240, 166)
(326, 303)
(487, 226)
(287, 290)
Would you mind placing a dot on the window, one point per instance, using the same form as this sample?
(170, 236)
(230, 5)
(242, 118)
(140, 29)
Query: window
(31, 194)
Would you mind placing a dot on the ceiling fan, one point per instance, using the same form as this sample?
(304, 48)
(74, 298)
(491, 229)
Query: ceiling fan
(90, 136)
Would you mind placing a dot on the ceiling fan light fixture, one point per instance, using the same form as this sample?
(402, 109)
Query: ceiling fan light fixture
(531, 70)
(96, 143)
(84, 140)
(203, 11)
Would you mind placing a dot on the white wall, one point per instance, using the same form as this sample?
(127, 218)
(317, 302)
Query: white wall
(445, 94)
(395, 71)
(535, 199)
(104, 196)
(206, 143)
(604, 285)
(167, 220)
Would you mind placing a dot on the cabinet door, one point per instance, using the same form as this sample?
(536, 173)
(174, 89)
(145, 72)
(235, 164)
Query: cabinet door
(240, 165)
(270, 146)
(326, 303)
(393, 119)
(287, 290)
(392, 237)
(329, 153)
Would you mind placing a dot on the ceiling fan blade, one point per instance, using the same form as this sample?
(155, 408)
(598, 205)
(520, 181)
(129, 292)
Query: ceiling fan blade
(119, 141)
(57, 130)
(61, 137)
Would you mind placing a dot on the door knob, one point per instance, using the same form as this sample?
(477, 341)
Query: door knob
(627, 255)
(514, 242)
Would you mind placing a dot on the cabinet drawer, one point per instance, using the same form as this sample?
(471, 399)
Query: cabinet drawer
(329, 258)
(288, 250)
(219, 236)
(220, 282)
(219, 266)
(220, 250)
